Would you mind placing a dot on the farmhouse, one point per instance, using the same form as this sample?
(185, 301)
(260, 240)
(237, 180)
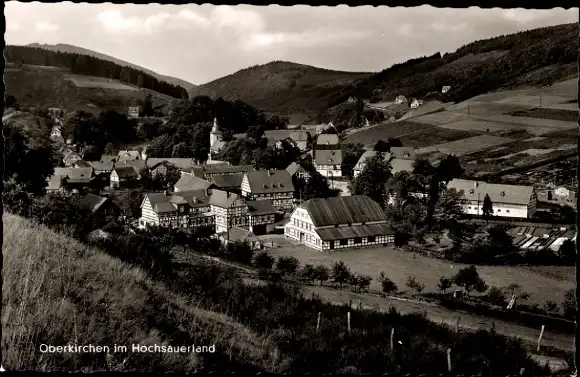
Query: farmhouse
(228, 182)
(445, 89)
(109, 158)
(122, 176)
(70, 158)
(81, 164)
(328, 162)
(101, 167)
(401, 159)
(218, 169)
(507, 200)
(133, 112)
(400, 100)
(125, 156)
(340, 222)
(300, 139)
(327, 139)
(189, 209)
(238, 234)
(416, 103)
(159, 165)
(70, 178)
(296, 170)
(232, 210)
(275, 185)
(189, 182)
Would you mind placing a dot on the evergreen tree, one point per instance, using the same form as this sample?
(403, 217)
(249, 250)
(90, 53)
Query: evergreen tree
(487, 208)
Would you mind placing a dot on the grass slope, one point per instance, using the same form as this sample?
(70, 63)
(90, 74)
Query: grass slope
(57, 292)
(84, 51)
(54, 87)
(282, 87)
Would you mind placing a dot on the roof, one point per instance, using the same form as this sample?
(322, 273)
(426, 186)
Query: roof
(82, 163)
(75, 175)
(101, 166)
(226, 169)
(222, 199)
(328, 157)
(406, 153)
(237, 234)
(137, 165)
(125, 153)
(92, 202)
(54, 182)
(328, 139)
(167, 202)
(125, 171)
(260, 207)
(330, 234)
(343, 210)
(109, 158)
(228, 180)
(179, 163)
(294, 168)
(189, 182)
(299, 136)
(270, 181)
(512, 194)
(398, 165)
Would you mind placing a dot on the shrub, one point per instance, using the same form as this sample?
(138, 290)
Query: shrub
(287, 265)
(569, 304)
(263, 260)
(387, 284)
(415, 285)
(321, 273)
(444, 284)
(340, 273)
(308, 273)
(496, 296)
(468, 278)
(550, 306)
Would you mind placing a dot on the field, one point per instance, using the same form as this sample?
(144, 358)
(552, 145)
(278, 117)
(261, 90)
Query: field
(399, 265)
(57, 291)
(384, 131)
(467, 146)
(57, 88)
(433, 136)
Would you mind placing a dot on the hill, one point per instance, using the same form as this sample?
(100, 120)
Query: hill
(281, 87)
(530, 58)
(39, 86)
(84, 51)
(57, 291)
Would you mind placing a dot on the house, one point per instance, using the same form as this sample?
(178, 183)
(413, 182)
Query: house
(133, 112)
(55, 112)
(275, 185)
(296, 170)
(416, 103)
(400, 100)
(123, 176)
(218, 169)
(138, 165)
(101, 167)
(279, 144)
(70, 158)
(56, 132)
(70, 178)
(401, 159)
(188, 209)
(339, 222)
(445, 89)
(228, 182)
(327, 139)
(109, 159)
(564, 193)
(238, 234)
(507, 200)
(328, 162)
(216, 142)
(232, 210)
(81, 164)
(125, 156)
(159, 165)
(300, 139)
(189, 182)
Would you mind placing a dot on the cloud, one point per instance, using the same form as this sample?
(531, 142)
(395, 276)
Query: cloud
(405, 29)
(46, 27)
(114, 20)
(306, 39)
(519, 15)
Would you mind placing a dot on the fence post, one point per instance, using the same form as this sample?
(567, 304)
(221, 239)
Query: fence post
(540, 337)
(392, 338)
(318, 322)
(348, 321)
(449, 359)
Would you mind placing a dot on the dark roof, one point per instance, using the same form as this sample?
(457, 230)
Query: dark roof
(167, 202)
(237, 234)
(179, 163)
(343, 210)
(92, 202)
(189, 182)
(330, 234)
(294, 168)
(508, 194)
(260, 207)
(126, 171)
(270, 181)
(82, 163)
(228, 180)
(138, 165)
(75, 175)
(328, 157)
(222, 199)
(226, 169)
(197, 171)
(101, 166)
(327, 139)
(109, 158)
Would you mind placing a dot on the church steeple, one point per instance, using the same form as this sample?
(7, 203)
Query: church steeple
(215, 129)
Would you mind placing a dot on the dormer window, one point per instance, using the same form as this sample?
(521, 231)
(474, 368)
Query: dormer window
(502, 193)
(471, 191)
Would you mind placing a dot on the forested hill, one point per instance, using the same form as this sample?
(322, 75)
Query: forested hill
(71, 49)
(91, 66)
(535, 57)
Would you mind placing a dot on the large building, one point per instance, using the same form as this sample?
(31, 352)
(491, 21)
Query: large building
(274, 185)
(340, 222)
(507, 200)
(187, 210)
(231, 210)
(328, 162)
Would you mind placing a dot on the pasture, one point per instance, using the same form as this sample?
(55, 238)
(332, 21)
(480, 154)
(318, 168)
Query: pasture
(467, 146)
(98, 82)
(542, 284)
(433, 136)
(384, 131)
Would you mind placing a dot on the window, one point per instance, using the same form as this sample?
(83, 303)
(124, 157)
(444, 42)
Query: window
(343, 242)
(336, 226)
(371, 239)
(499, 210)
(507, 210)
(358, 240)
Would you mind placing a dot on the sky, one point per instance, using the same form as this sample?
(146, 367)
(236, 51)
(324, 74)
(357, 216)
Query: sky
(200, 43)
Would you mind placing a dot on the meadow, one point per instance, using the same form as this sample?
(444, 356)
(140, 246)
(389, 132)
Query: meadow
(98, 82)
(467, 146)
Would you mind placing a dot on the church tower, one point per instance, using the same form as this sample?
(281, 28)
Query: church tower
(214, 136)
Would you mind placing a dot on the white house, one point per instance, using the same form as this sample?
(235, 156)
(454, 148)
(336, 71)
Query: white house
(445, 89)
(340, 222)
(416, 103)
(123, 175)
(133, 112)
(231, 210)
(401, 159)
(400, 100)
(274, 185)
(300, 138)
(328, 162)
(507, 200)
(188, 209)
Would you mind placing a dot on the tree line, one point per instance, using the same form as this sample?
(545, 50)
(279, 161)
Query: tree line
(91, 66)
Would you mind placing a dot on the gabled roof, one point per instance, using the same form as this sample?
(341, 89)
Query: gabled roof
(71, 155)
(270, 181)
(226, 169)
(126, 153)
(228, 180)
(109, 158)
(137, 165)
(237, 234)
(222, 199)
(82, 163)
(343, 210)
(299, 136)
(168, 202)
(75, 175)
(179, 163)
(92, 202)
(101, 166)
(331, 234)
(327, 139)
(398, 165)
(294, 168)
(508, 194)
(260, 207)
(125, 171)
(189, 182)
(328, 157)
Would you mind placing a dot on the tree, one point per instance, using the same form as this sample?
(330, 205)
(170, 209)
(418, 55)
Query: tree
(255, 132)
(287, 265)
(449, 168)
(415, 285)
(263, 261)
(129, 202)
(317, 187)
(394, 142)
(372, 180)
(322, 273)
(10, 101)
(568, 214)
(468, 278)
(448, 206)
(340, 273)
(361, 282)
(567, 251)
(110, 149)
(181, 150)
(401, 239)
(147, 106)
(487, 208)
(387, 284)
(570, 305)
(350, 157)
(444, 284)
(382, 146)
(308, 273)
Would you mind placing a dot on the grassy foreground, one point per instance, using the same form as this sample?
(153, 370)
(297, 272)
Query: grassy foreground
(57, 291)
